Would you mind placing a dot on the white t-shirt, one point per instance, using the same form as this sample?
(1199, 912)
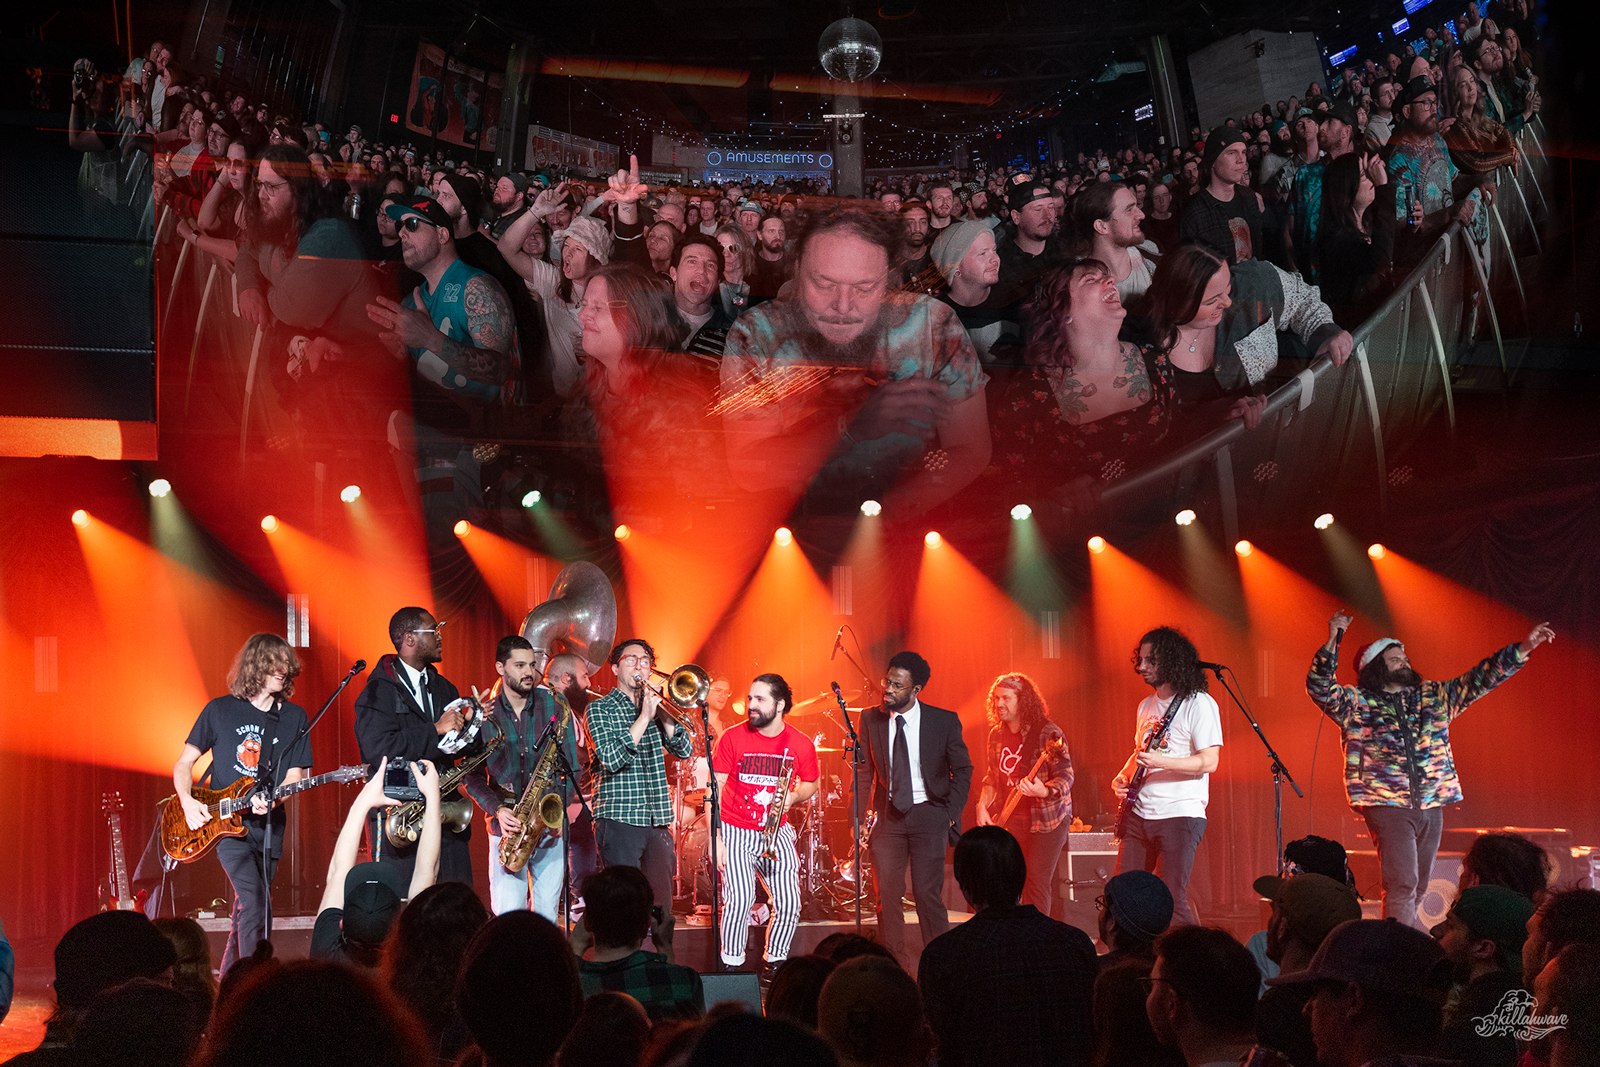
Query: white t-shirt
(1174, 794)
(1140, 275)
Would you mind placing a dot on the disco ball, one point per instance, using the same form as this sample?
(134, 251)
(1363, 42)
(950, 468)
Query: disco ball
(850, 50)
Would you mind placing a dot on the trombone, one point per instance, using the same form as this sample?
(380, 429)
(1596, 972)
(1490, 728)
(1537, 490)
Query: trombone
(686, 689)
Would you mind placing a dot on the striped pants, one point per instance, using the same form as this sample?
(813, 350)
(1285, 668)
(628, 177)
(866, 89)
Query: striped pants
(742, 863)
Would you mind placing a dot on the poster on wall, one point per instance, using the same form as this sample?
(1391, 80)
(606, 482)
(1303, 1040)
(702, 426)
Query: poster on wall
(453, 101)
(553, 148)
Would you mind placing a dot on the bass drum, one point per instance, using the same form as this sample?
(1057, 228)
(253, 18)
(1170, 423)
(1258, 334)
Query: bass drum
(694, 859)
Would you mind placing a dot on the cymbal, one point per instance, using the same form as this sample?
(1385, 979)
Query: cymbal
(1507, 830)
(830, 750)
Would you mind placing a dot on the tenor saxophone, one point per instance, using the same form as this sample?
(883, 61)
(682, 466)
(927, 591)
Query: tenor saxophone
(776, 811)
(541, 809)
(403, 823)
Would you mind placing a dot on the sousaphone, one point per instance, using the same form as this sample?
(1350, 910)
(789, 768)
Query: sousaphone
(580, 617)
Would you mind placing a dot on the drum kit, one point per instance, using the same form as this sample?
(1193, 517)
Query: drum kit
(822, 824)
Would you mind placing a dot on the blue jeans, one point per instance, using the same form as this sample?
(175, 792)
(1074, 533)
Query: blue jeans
(1167, 847)
(509, 891)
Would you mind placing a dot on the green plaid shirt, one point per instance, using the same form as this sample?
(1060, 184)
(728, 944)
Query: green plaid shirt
(631, 779)
(667, 990)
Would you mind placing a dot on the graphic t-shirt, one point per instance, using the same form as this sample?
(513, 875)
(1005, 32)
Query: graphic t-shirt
(754, 766)
(1197, 725)
(234, 731)
(1012, 768)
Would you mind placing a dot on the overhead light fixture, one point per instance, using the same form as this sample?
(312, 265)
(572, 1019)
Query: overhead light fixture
(160, 488)
(1185, 517)
(1376, 551)
(350, 494)
(80, 518)
(1244, 548)
(1324, 520)
(1021, 512)
(783, 536)
(870, 508)
(932, 540)
(463, 527)
(530, 498)
(269, 523)
(1097, 544)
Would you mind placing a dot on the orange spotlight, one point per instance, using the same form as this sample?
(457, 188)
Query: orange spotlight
(1097, 544)
(621, 532)
(933, 539)
(269, 523)
(1375, 551)
(783, 536)
(350, 494)
(80, 518)
(463, 527)
(1244, 548)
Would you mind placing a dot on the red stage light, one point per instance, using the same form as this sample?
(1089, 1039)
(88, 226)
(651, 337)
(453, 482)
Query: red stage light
(1375, 551)
(1097, 544)
(621, 532)
(1244, 548)
(933, 539)
(783, 536)
(463, 527)
(80, 518)
(269, 523)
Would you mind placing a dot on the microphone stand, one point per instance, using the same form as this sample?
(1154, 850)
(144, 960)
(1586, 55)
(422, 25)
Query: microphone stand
(266, 774)
(1279, 771)
(853, 746)
(714, 808)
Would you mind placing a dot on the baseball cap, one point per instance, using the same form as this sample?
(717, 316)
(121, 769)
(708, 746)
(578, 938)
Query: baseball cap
(1499, 914)
(1022, 194)
(1381, 956)
(373, 895)
(1313, 903)
(1342, 110)
(106, 950)
(425, 208)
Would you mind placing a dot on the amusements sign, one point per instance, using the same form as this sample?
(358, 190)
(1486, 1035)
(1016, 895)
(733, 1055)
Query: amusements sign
(553, 148)
(458, 103)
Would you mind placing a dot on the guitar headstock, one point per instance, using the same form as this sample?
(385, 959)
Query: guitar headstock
(344, 775)
(1055, 745)
(111, 803)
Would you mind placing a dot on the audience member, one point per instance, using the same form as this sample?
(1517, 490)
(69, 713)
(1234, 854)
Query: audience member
(191, 973)
(1418, 160)
(423, 954)
(1355, 243)
(1106, 224)
(140, 1023)
(316, 1014)
(1305, 909)
(1160, 222)
(871, 1015)
(1508, 859)
(361, 900)
(1568, 917)
(1135, 909)
(965, 255)
(1033, 209)
(796, 985)
(617, 917)
(518, 959)
(1378, 989)
(844, 946)
(979, 1013)
(610, 1031)
(696, 273)
(1225, 215)
(740, 1040)
(1568, 993)
(1482, 936)
(1203, 995)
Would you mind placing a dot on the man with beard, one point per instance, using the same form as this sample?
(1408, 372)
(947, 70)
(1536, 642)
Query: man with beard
(919, 772)
(835, 386)
(509, 203)
(525, 710)
(756, 765)
(1336, 136)
(1033, 208)
(1177, 744)
(942, 204)
(1106, 219)
(772, 261)
(1380, 125)
(1226, 214)
(409, 709)
(1399, 768)
(1202, 998)
(914, 260)
(1423, 174)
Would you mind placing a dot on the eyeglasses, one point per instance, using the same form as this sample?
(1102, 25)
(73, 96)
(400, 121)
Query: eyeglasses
(271, 187)
(437, 627)
(413, 223)
(631, 658)
(894, 687)
(1100, 902)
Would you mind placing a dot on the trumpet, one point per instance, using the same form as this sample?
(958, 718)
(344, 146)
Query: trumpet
(686, 689)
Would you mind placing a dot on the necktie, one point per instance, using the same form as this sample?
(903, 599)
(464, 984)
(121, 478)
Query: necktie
(427, 698)
(900, 769)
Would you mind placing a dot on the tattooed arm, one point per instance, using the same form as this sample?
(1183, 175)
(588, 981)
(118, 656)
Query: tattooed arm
(493, 330)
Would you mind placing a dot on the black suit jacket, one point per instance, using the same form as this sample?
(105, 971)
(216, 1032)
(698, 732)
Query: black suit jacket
(946, 764)
(390, 722)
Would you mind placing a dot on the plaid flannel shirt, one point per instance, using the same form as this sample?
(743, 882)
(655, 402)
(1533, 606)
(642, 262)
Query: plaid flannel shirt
(1397, 745)
(630, 779)
(667, 990)
(1044, 813)
(504, 778)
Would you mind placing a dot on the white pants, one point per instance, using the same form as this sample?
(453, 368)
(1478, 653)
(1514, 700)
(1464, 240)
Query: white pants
(509, 891)
(742, 863)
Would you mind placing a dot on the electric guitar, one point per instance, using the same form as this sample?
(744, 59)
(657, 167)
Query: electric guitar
(1125, 808)
(227, 808)
(1052, 749)
(124, 900)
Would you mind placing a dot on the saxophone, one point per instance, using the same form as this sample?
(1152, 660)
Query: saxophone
(776, 811)
(541, 809)
(403, 823)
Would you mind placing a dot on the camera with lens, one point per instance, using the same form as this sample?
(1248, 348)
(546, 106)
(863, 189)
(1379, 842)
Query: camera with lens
(400, 781)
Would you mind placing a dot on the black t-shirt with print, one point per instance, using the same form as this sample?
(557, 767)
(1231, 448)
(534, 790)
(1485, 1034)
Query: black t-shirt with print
(234, 731)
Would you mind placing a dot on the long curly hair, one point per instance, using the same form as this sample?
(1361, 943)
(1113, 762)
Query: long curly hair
(1176, 658)
(1032, 711)
(423, 954)
(1051, 310)
(261, 656)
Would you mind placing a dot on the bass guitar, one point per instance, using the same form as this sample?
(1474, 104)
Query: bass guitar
(124, 900)
(1125, 808)
(1052, 749)
(227, 808)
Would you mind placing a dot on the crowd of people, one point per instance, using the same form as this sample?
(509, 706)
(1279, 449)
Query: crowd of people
(1041, 328)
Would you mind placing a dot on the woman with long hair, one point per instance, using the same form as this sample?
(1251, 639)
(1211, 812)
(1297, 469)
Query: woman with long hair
(1479, 144)
(221, 217)
(1217, 326)
(738, 261)
(1355, 243)
(191, 974)
(1087, 403)
(1020, 732)
(423, 955)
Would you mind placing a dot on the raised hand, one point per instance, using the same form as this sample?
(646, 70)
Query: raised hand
(624, 186)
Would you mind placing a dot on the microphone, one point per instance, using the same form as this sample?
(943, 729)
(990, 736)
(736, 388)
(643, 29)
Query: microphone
(838, 643)
(360, 666)
(838, 694)
(1217, 667)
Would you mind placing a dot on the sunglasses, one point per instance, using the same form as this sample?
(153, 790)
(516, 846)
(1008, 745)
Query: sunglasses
(411, 224)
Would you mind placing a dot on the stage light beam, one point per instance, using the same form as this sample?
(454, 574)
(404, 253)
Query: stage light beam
(783, 536)
(1097, 544)
(1021, 513)
(462, 527)
(80, 518)
(1244, 548)
(530, 498)
(1185, 517)
(932, 540)
(1376, 551)
(1323, 521)
(269, 523)
(871, 508)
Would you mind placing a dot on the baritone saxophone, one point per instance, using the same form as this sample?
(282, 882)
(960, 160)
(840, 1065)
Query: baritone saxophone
(541, 810)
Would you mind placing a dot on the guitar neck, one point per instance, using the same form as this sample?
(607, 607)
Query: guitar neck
(119, 862)
(230, 806)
